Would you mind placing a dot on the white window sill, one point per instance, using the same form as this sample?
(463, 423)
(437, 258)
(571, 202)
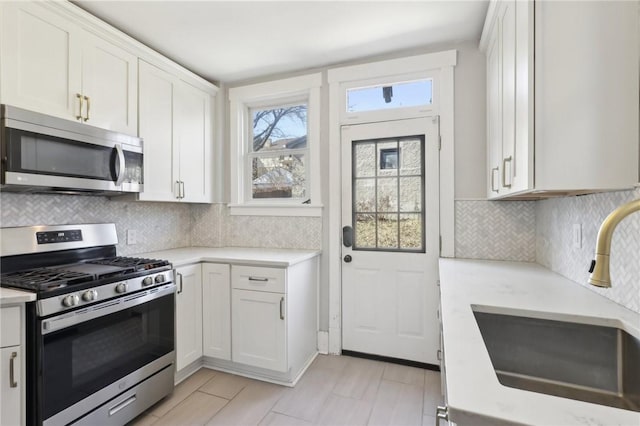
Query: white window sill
(310, 210)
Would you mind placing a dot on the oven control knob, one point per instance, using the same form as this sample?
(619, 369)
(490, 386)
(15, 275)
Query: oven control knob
(70, 300)
(147, 281)
(160, 278)
(90, 295)
(121, 288)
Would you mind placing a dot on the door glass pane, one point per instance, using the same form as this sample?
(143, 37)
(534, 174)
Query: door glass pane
(388, 231)
(411, 231)
(387, 194)
(365, 195)
(364, 160)
(411, 194)
(365, 231)
(388, 211)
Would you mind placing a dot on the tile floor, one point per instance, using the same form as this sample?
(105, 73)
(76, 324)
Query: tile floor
(335, 390)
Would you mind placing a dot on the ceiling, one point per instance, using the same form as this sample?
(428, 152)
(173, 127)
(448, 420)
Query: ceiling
(237, 40)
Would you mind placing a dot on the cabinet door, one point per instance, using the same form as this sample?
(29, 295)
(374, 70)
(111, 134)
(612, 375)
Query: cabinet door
(188, 315)
(10, 386)
(155, 107)
(494, 112)
(507, 21)
(259, 329)
(216, 310)
(109, 84)
(192, 130)
(40, 63)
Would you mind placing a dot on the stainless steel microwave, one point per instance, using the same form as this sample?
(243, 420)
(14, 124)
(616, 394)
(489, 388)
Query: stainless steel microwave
(41, 153)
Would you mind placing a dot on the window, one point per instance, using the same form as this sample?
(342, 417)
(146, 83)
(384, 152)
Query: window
(392, 95)
(274, 147)
(278, 152)
(389, 158)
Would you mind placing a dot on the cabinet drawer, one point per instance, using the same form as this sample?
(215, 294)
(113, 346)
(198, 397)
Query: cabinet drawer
(258, 278)
(10, 332)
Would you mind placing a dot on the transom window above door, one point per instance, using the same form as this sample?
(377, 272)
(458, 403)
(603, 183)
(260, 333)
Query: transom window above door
(390, 95)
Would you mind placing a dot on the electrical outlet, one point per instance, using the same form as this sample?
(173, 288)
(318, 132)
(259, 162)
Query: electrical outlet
(132, 237)
(577, 235)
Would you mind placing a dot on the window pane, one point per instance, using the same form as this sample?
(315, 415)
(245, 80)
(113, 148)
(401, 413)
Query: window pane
(365, 231)
(387, 231)
(279, 128)
(410, 194)
(365, 195)
(411, 157)
(280, 176)
(364, 159)
(411, 231)
(395, 95)
(385, 157)
(387, 194)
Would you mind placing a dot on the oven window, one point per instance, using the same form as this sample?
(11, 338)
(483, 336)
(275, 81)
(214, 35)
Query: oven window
(84, 358)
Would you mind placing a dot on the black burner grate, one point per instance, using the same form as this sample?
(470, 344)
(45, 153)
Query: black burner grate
(137, 263)
(44, 278)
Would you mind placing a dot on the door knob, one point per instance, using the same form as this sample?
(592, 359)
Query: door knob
(348, 258)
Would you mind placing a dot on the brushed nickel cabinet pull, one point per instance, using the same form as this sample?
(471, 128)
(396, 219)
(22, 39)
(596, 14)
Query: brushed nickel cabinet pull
(88, 99)
(80, 99)
(264, 280)
(12, 378)
(182, 189)
(281, 306)
(178, 189)
(493, 178)
(504, 168)
(180, 275)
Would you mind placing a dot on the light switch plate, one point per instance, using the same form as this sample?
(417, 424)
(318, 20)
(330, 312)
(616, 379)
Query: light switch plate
(132, 237)
(577, 236)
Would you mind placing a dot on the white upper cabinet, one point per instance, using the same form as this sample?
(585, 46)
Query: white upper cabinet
(175, 124)
(574, 67)
(52, 65)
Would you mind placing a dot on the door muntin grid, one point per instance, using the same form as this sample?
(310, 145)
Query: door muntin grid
(388, 204)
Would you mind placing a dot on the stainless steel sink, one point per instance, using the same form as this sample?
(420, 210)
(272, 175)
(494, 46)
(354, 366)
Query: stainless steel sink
(589, 363)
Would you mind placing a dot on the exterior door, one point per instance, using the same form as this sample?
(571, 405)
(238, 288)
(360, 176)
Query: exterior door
(390, 217)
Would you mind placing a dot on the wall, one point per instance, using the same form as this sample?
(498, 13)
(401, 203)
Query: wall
(159, 225)
(554, 248)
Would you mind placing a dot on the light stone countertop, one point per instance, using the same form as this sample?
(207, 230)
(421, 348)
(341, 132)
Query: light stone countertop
(474, 395)
(235, 255)
(10, 296)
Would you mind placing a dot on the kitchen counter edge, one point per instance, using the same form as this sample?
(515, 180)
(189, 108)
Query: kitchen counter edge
(9, 296)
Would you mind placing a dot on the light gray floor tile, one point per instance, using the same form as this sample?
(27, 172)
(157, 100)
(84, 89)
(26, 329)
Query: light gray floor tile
(341, 411)
(144, 419)
(432, 393)
(276, 419)
(397, 404)
(306, 400)
(404, 374)
(197, 409)
(330, 362)
(249, 406)
(182, 391)
(360, 379)
(225, 385)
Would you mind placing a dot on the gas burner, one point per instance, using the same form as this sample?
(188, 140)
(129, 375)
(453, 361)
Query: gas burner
(138, 264)
(44, 278)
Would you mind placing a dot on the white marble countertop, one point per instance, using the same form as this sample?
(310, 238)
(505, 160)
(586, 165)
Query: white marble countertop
(235, 255)
(474, 395)
(10, 296)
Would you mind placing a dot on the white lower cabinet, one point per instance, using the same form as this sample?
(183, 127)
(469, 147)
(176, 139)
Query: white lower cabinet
(188, 315)
(12, 366)
(216, 310)
(256, 321)
(259, 329)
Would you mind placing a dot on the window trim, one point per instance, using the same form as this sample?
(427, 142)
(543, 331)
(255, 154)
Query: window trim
(305, 88)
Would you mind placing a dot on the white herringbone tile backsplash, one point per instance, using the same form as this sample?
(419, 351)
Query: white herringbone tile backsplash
(496, 230)
(554, 245)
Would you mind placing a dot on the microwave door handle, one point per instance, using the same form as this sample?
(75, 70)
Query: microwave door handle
(121, 165)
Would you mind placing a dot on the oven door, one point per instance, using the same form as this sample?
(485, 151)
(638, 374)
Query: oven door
(89, 356)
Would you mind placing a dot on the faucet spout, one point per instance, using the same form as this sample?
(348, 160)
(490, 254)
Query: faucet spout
(600, 265)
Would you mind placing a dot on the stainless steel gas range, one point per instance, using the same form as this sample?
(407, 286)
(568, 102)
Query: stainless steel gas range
(101, 334)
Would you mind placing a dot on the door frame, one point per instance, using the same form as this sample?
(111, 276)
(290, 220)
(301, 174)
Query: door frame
(438, 66)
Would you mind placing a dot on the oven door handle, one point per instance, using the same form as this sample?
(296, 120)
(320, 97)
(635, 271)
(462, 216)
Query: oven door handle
(69, 319)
